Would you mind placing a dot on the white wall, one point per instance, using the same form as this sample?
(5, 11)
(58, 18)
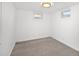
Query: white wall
(0, 19)
(0, 26)
(66, 30)
(7, 28)
(28, 28)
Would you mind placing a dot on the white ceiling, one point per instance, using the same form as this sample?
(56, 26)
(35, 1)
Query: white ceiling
(36, 6)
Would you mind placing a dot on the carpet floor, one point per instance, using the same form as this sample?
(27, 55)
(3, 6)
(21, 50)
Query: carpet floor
(43, 47)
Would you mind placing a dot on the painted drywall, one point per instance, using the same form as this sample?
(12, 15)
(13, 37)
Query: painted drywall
(0, 19)
(66, 29)
(28, 28)
(7, 28)
(0, 26)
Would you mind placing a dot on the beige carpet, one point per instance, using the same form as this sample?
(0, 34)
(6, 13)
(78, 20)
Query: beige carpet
(43, 47)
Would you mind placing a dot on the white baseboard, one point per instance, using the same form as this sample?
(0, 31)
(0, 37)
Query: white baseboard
(51, 37)
(33, 38)
(10, 51)
(66, 44)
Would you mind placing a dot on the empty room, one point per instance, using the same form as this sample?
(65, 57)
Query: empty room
(39, 28)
